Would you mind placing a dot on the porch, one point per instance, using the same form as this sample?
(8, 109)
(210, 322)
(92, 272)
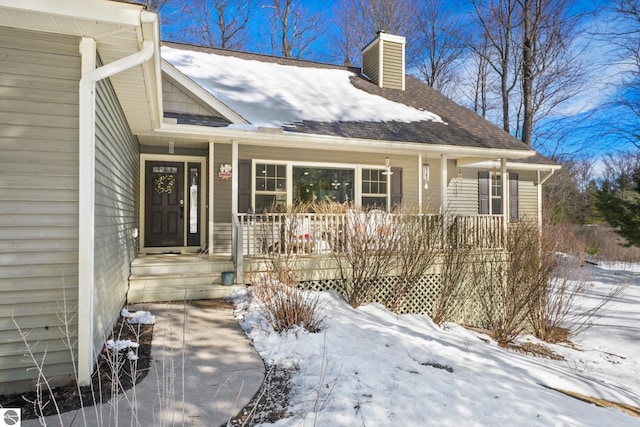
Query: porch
(315, 239)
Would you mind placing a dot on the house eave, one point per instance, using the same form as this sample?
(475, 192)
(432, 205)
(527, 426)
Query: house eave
(119, 29)
(335, 143)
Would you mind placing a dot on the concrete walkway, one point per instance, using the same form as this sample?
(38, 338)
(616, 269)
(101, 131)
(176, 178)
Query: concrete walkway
(203, 371)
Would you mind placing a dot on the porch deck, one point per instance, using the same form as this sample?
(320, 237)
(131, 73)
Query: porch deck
(179, 277)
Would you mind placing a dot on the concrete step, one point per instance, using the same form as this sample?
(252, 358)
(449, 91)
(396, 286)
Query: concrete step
(168, 277)
(187, 266)
(138, 294)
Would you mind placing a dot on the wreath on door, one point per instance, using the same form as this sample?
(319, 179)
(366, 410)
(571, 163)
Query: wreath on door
(164, 184)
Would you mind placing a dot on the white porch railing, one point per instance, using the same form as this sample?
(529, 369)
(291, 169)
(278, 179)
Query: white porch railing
(310, 233)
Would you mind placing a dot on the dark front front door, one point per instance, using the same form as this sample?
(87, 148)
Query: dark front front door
(164, 204)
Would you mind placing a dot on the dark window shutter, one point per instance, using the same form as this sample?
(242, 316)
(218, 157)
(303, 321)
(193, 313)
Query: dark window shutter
(244, 186)
(396, 187)
(483, 193)
(513, 197)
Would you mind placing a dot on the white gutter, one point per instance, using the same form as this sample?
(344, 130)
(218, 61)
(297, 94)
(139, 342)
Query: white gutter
(329, 142)
(541, 181)
(86, 190)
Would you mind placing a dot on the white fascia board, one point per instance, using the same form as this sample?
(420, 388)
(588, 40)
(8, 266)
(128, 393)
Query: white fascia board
(93, 10)
(200, 93)
(386, 37)
(392, 38)
(152, 68)
(481, 163)
(325, 142)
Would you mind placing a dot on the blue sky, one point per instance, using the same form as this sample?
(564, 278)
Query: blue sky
(581, 127)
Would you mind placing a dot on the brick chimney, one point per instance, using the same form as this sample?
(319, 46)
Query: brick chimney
(383, 61)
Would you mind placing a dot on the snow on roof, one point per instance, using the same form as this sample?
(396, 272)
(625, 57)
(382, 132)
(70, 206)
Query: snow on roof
(273, 95)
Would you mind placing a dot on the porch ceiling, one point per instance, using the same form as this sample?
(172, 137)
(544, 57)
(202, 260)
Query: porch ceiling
(119, 30)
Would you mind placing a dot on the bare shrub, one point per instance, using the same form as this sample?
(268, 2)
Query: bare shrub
(507, 282)
(593, 242)
(554, 315)
(280, 258)
(370, 243)
(454, 291)
(534, 287)
(417, 251)
(44, 391)
(286, 307)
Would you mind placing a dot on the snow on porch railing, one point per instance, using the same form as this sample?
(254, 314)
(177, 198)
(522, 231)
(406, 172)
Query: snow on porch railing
(309, 233)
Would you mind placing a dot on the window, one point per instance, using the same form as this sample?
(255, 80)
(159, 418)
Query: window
(490, 194)
(319, 184)
(496, 194)
(374, 188)
(271, 186)
(268, 186)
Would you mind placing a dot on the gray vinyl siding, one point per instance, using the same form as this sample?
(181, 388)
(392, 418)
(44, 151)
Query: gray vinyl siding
(116, 203)
(371, 63)
(39, 78)
(392, 65)
(175, 100)
(431, 198)
(528, 195)
(462, 192)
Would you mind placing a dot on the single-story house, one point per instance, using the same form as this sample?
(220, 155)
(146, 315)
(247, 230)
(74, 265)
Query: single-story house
(119, 152)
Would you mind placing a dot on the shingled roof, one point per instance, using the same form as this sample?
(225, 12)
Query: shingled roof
(444, 122)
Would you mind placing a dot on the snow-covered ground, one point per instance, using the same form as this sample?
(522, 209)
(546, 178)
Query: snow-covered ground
(370, 367)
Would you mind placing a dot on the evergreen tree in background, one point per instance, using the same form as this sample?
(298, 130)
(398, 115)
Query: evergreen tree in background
(619, 196)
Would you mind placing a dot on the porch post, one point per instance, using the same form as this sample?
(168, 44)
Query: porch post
(443, 184)
(539, 189)
(211, 180)
(505, 194)
(234, 177)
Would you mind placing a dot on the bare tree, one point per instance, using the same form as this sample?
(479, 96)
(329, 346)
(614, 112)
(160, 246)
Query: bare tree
(443, 40)
(358, 21)
(214, 23)
(155, 5)
(293, 28)
(481, 86)
(531, 49)
(552, 72)
(498, 23)
(569, 194)
(627, 36)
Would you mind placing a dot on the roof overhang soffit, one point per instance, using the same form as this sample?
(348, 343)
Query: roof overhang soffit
(273, 138)
(71, 17)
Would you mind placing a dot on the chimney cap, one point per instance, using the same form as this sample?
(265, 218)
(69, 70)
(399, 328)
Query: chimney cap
(384, 36)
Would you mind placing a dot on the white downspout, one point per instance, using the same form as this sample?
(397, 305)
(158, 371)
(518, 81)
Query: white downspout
(86, 191)
(444, 178)
(420, 183)
(505, 194)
